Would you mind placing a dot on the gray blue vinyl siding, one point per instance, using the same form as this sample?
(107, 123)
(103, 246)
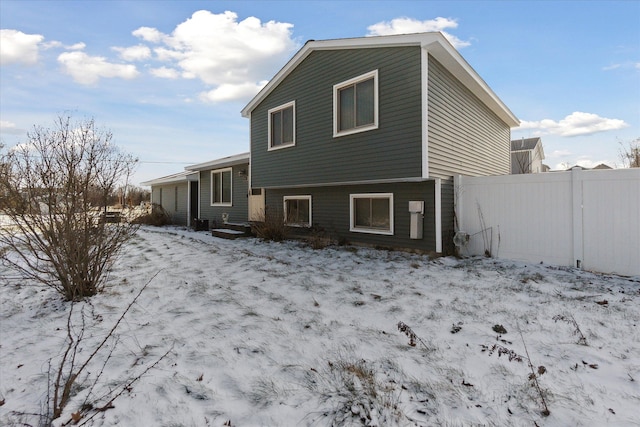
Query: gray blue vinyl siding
(330, 212)
(176, 209)
(238, 212)
(464, 136)
(390, 152)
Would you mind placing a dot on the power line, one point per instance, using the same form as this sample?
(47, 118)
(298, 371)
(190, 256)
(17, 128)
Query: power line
(167, 163)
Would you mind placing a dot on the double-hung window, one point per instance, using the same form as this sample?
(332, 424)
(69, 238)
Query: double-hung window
(297, 211)
(221, 186)
(355, 104)
(372, 213)
(282, 126)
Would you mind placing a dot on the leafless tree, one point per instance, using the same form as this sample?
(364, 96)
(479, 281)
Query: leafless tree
(55, 187)
(630, 153)
(132, 195)
(521, 162)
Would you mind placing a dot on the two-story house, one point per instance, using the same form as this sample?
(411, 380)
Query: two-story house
(362, 137)
(527, 155)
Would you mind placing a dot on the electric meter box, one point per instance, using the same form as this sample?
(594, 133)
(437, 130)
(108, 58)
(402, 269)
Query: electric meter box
(416, 210)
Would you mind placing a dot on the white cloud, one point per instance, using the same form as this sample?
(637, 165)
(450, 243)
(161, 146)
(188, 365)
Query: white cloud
(87, 69)
(559, 153)
(148, 34)
(585, 162)
(18, 47)
(77, 46)
(165, 73)
(51, 45)
(622, 66)
(10, 128)
(576, 123)
(231, 55)
(134, 53)
(410, 25)
(229, 92)
(56, 44)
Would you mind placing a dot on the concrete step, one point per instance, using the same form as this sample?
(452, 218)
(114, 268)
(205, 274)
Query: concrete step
(237, 226)
(226, 233)
(232, 230)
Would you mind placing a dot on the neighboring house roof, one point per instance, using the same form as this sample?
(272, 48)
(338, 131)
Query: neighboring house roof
(171, 179)
(524, 144)
(433, 43)
(236, 159)
(601, 166)
(528, 144)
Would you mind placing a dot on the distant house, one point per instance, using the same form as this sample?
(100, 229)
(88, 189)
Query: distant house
(601, 166)
(212, 191)
(362, 137)
(527, 155)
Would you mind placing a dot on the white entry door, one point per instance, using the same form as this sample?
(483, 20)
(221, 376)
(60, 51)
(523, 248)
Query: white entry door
(256, 204)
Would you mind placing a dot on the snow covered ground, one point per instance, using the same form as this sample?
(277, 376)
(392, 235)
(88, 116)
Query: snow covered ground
(279, 334)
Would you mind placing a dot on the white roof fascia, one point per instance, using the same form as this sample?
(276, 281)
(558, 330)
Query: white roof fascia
(171, 179)
(434, 42)
(451, 59)
(236, 159)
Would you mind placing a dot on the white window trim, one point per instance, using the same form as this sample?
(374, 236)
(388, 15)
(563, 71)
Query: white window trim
(275, 110)
(349, 82)
(305, 197)
(230, 203)
(352, 225)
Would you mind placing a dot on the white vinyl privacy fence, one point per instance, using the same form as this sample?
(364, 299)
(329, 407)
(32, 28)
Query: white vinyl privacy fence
(587, 219)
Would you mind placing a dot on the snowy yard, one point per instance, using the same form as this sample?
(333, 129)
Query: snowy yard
(279, 334)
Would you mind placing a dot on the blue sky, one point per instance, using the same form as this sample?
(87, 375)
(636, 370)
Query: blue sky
(169, 78)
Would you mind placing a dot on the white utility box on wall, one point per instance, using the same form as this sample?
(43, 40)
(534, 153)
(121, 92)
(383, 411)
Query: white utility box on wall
(416, 210)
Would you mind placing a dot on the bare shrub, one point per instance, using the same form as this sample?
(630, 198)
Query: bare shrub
(157, 216)
(271, 227)
(319, 239)
(54, 187)
(630, 153)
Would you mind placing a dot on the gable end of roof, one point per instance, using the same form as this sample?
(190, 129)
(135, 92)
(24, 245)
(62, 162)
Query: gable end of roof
(434, 43)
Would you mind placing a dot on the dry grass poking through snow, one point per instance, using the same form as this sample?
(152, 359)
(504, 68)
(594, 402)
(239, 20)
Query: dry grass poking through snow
(279, 334)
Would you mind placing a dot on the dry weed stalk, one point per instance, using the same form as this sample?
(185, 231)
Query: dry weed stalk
(535, 372)
(533, 377)
(70, 369)
(413, 338)
(582, 340)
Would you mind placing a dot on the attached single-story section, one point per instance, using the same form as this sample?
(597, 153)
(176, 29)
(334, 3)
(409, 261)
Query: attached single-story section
(173, 193)
(215, 191)
(223, 189)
